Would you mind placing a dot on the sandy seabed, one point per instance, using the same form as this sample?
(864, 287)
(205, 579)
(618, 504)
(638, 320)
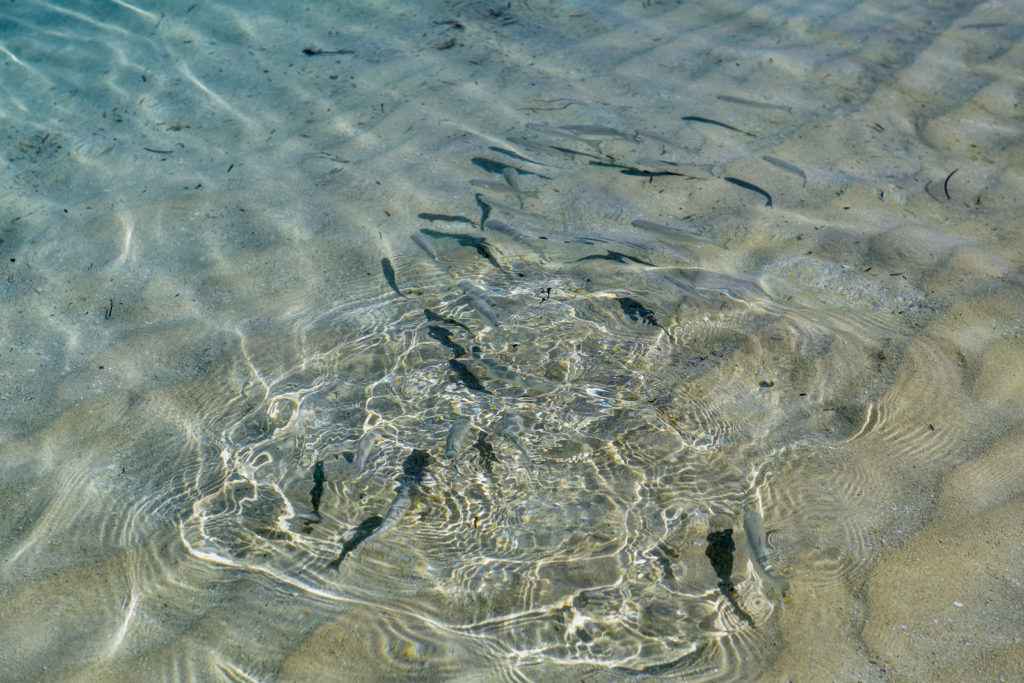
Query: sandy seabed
(195, 202)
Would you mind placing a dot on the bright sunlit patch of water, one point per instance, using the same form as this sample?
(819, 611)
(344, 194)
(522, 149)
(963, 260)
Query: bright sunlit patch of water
(598, 404)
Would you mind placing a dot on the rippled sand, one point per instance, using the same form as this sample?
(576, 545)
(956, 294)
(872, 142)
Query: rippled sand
(787, 280)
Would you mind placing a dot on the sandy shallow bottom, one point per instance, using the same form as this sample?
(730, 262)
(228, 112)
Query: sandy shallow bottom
(818, 316)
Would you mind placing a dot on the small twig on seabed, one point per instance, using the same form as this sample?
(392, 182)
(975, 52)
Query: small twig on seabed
(945, 185)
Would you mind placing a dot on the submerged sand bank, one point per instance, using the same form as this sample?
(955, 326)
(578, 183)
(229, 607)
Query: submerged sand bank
(866, 390)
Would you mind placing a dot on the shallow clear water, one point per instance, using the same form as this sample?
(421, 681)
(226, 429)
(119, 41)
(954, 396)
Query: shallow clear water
(332, 349)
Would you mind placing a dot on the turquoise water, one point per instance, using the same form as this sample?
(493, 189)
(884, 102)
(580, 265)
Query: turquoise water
(454, 341)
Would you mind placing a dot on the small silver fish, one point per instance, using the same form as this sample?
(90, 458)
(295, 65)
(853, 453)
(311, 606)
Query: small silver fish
(494, 186)
(481, 302)
(508, 208)
(754, 103)
(414, 468)
(423, 243)
(702, 171)
(399, 506)
(786, 166)
(511, 176)
(511, 428)
(686, 287)
(757, 542)
(736, 288)
(681, 232)
(498, 226)
(492, 369)
(365, 448)
(597, 131)
(456, 437)
(643, 134)
(532, 145)
(562, 132)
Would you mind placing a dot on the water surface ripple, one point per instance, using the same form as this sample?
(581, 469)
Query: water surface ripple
(457, 340)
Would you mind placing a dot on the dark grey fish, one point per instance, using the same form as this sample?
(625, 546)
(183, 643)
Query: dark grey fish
(445, 337)
(435, 318)
(466, 377)
(365, 529)
(720, 551)
(636, 311)
(701, 119)
(389, 276)
(615, 256)
(318, 488)
(748, 186)
(444, 218)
